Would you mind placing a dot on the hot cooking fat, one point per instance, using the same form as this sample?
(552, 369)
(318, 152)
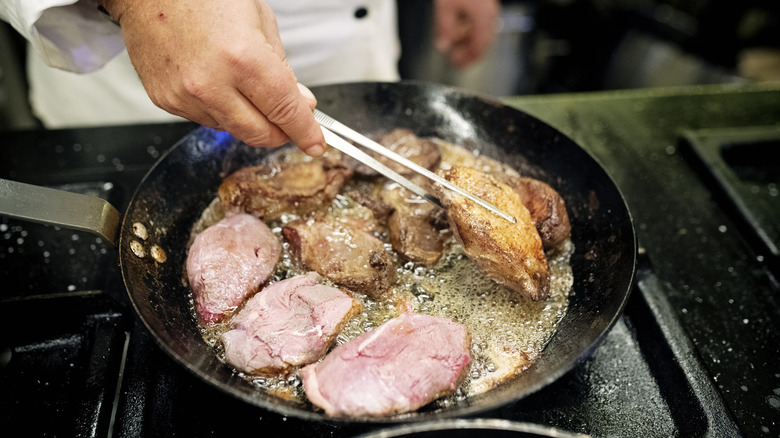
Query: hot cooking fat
(345, 232)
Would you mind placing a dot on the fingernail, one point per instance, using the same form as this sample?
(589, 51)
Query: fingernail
(306, 93)
(315, 151)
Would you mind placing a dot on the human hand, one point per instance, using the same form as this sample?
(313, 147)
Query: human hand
(465, 29)
(219, 63)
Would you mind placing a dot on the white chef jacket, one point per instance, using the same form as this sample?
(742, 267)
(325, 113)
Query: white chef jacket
(94, 83)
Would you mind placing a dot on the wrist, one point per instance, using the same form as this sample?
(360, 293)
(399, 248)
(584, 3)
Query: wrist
(112, 8)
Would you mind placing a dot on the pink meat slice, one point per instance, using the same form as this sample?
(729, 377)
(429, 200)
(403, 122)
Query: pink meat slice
(398, 367)
(289, 323)
(228, 261)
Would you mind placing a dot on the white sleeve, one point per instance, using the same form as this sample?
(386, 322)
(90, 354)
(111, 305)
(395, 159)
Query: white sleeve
(71, 35)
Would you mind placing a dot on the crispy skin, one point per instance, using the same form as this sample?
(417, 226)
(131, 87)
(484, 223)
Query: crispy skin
(511, 254)
(268, 190)
(342, 252)
(412, 228)
(547, 208)
(452, 155)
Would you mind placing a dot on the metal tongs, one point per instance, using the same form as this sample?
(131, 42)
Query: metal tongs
(329, 129)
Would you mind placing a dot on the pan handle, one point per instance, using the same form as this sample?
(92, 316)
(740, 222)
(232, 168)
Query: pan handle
(58, 207)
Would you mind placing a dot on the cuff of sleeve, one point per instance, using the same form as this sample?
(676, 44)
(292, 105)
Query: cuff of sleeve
(76, 36)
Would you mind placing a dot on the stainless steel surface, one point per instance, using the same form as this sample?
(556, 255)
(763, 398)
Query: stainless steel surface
(342, 129)
(60, 208)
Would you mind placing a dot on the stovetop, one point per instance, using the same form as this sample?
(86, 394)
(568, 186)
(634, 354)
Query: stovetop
(694, 354)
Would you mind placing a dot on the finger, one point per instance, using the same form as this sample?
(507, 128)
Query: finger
(224, 108)
(461, 55)
(307, 95)
(483, 29)
(270, 29)
(239, 116)
(315, 147)
(473, 47)
(445, 25)
(274, 91)
(194, 113)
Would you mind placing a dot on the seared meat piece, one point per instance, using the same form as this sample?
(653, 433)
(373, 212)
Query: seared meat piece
(547, 208)
(511, 254)
(268, 190)
(412, 228)
(228, 261)
(398, 367)
(453, 155)
(380, 210)
(404, 143)
(342, 252)
(289, 323)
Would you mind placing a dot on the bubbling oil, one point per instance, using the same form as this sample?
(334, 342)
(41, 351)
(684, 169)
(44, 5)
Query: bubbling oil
(508, 330)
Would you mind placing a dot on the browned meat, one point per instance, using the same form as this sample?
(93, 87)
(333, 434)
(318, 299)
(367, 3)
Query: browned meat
(404, 143)
(547, 208)
(412, 228)
(511, 254)
(228, 262)
(288, 324)
(379, 209)
(342, 252)
(268, 190)
(398, 367)
(452, 155)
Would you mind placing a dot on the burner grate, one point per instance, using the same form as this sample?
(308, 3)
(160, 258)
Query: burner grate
(743, 166)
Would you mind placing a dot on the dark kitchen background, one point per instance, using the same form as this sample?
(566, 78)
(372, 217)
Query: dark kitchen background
(678, 100)
(558, 46)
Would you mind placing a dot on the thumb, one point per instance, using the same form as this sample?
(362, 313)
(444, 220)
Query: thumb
(307, 95)
(445, 25)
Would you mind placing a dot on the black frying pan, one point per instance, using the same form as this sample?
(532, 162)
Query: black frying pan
(180, 186)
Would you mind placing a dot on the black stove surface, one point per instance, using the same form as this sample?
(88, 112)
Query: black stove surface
(694, 354)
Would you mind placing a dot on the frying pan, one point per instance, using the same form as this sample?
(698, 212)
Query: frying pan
(182, 183)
